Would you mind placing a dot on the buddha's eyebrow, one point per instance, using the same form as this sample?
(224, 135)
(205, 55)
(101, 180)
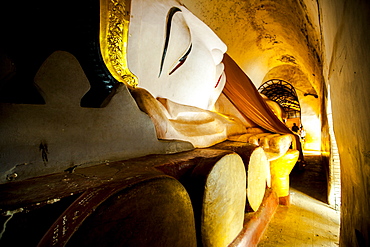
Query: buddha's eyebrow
(170, 15)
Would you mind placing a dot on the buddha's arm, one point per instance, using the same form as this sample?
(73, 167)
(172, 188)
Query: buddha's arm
(190, 114)
(199, 127)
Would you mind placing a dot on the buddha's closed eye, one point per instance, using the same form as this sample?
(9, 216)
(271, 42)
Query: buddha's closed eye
(183, 58)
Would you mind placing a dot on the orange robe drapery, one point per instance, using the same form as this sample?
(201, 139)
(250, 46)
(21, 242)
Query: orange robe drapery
(240, 90)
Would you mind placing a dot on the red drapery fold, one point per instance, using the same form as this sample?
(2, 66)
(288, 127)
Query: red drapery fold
(240, 90)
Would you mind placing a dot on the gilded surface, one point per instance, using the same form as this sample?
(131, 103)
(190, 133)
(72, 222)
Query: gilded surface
(114, 23)
(280, 170)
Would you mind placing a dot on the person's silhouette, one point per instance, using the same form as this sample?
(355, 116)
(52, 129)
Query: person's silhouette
(295, 128)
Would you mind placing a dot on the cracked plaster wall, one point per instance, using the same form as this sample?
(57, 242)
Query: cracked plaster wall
(347, 71)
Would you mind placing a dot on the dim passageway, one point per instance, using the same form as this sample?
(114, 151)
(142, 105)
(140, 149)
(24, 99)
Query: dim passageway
(308, 221)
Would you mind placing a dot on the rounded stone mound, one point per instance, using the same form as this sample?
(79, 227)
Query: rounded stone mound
(223, 201)
(154, 212)
(258, 178)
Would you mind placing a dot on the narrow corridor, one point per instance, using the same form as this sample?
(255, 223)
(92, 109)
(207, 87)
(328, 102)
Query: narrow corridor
(309, 221)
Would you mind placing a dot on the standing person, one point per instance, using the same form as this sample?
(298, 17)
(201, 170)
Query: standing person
(302, 134)
(295, 128)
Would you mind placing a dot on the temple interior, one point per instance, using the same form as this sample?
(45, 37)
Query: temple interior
(180, 123)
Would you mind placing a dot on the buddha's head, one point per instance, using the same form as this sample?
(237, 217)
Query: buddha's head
(174, 54)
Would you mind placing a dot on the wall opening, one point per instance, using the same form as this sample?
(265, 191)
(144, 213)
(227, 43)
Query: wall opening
(283, 93)
(334, 183)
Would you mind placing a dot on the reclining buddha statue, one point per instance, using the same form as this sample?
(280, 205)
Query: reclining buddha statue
(179, 61)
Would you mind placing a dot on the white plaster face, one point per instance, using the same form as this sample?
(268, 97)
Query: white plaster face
(189, 69)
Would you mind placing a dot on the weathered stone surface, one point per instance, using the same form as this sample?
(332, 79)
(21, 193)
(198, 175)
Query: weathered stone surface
(257, 169)
(56, 186)
(32, 198)
(217, 190)
(214, 178)
(280, 170)
(154, 212)
(43, 139)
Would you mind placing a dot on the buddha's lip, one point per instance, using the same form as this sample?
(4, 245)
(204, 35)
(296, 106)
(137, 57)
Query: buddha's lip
(218, 81)
(220, 68)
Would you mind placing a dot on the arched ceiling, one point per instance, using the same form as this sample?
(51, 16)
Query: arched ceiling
(292, 74)
(306, 93)
(281, 92)
(268, 38)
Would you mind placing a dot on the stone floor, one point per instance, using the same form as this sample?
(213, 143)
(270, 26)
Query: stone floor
(309, 221)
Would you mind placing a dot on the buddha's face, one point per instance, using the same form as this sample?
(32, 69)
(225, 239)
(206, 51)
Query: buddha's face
(174, 54)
